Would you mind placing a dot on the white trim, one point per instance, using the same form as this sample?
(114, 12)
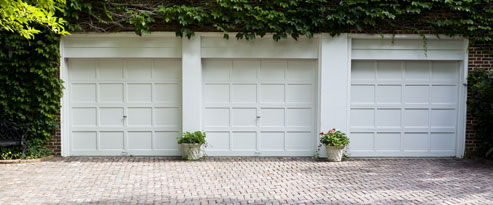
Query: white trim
(400, 36)
(462, 107)
(64, 111)
(191, 84)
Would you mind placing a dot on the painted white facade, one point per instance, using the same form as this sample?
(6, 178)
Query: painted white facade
(265, 98)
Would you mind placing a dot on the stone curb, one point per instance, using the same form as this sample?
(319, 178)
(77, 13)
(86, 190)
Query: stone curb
(21, 161)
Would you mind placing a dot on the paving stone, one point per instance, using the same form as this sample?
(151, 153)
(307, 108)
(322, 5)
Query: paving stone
(246, 180)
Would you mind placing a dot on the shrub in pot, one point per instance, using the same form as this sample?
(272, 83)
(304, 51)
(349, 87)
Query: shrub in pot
(335, 141)
(191, 143)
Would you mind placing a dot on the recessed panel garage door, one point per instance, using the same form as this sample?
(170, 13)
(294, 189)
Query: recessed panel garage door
(259, 107)
(404, 108)
(124, 106)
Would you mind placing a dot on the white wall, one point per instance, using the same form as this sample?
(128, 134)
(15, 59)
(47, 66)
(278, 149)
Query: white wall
(334, 55)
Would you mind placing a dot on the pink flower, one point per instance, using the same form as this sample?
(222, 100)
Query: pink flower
(334, 129)
(330, 131)
(322, 133)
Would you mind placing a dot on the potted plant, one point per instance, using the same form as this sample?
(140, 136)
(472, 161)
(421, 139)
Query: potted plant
(335, 141)
(191, 143)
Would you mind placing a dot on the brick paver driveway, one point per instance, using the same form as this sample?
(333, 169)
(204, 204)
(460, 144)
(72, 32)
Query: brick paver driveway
(246, 180)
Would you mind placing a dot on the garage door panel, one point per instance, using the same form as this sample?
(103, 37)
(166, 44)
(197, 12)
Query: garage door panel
(272, 117)
(362, 141)
(252, 112)
(389, 70)
(362, 118)
(299, 93)
(417, 71)
(84, 117)
(443, 141)
(169, 69)
(388, 94)
(416, 118)
(416, 141)
(388, 141)
(216, 93)
(166, 116)
(111, 140)
(111, 92)
(272, 70)
(413, 101)
(444, 94)
(388, 118)
(245, 70)
(244, 93)
(272, 141)
(167, 93)
(272, 93)
(363, 94)
(139, 116)
(165, 140)
(111, 117)
(244, 117)
(84, 140)
(218, 141)
(113, 69)
(140, 69)
(217, 70)
(139, 140)
(416, 94)
(216, 117)
(299, 117)
(139, 92)
(87, 90)
(300, 71)
(299, 141)
(244, 141)
(443, 118)
(146, 91)
(363, 70)
(82, 69)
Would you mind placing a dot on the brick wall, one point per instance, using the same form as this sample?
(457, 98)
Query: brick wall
(480, 57)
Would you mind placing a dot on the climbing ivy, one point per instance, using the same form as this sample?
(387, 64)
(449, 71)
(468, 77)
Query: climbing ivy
(30, 89)
(251, 18)
(480, 105)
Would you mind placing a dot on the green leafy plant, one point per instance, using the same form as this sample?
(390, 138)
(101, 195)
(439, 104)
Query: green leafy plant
(21, 16)
(30, 89)
(197, 137)
(480, 105)
(286, 18)
(334, 138)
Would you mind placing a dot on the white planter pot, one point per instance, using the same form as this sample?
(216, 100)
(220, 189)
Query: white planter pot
(191, 151)
(334, 154)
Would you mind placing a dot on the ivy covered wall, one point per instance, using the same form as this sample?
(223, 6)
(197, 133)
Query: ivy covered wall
(30, 89)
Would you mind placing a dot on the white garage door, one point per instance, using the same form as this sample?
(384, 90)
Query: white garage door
(259, 107)
(124, 106)
(404, 108)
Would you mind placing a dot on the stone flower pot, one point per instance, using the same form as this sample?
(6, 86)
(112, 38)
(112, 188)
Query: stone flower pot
(191, 151)
(334, 154)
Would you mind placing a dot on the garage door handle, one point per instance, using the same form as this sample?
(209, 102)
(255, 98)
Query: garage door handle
(258, 117)
(124, 116)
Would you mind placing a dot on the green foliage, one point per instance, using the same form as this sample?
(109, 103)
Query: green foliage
(20, 16)
(197, 137)
(283, 18)
(480, 104)
(30, 89)
(334, 138)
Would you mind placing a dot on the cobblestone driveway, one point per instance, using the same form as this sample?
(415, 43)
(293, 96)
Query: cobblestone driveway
(246, 180)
